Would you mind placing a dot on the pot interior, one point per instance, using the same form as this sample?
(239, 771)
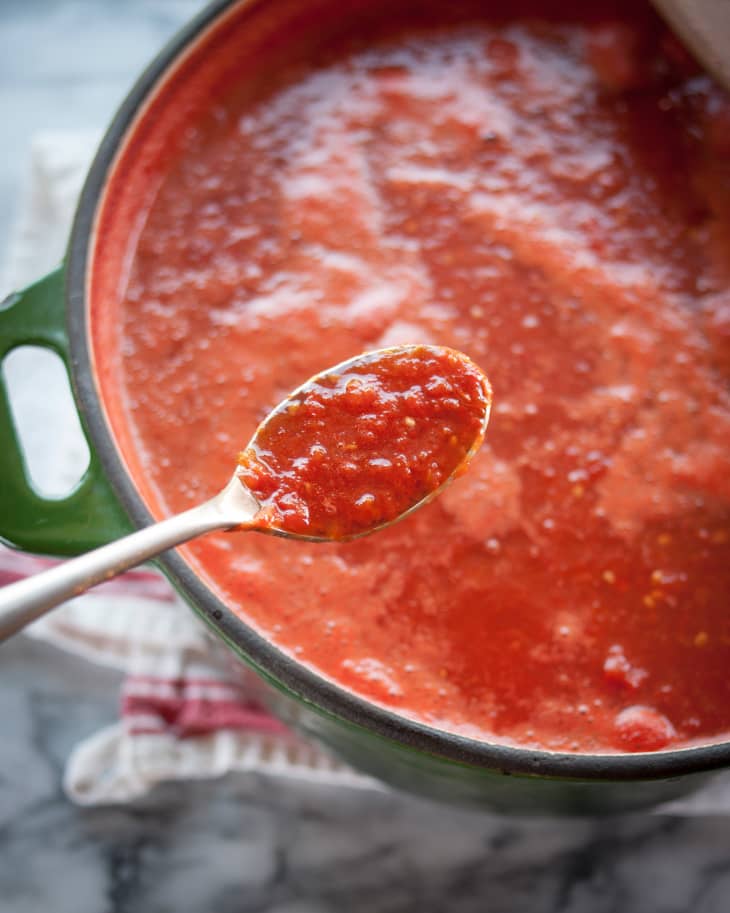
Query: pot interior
(240, 53)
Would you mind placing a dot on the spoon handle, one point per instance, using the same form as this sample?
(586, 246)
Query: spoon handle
(24, 601)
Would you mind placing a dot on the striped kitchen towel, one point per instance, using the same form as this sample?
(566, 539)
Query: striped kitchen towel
(188, 708)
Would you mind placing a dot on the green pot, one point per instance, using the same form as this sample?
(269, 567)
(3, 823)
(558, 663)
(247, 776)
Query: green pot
(55, 313)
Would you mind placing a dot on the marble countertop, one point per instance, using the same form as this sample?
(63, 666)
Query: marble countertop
(245, 843)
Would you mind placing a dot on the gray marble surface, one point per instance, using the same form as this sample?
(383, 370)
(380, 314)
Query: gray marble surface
(246, 843)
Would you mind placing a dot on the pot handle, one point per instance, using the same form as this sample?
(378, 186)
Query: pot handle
(91, 515)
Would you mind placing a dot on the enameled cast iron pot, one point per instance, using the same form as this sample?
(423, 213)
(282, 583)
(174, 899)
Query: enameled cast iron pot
(71, 310)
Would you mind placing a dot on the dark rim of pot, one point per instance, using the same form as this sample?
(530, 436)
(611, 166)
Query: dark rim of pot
(312, 688)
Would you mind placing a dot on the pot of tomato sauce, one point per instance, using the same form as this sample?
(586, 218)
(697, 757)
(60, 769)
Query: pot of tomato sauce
(545, 186)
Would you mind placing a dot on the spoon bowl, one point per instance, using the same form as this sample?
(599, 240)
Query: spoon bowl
(367, 442)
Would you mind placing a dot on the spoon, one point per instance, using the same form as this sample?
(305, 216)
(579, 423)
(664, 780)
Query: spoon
(704, 26)
(351, 451)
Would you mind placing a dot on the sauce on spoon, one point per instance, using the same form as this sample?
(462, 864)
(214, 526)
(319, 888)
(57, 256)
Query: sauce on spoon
(365, 442)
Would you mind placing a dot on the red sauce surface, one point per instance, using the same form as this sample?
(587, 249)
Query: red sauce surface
(550, 194)
(366, 441)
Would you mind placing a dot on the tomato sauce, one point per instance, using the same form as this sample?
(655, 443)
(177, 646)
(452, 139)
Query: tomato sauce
(545, 187)
(359, 445)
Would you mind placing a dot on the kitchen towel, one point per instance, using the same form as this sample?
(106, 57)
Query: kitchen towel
(188, 709)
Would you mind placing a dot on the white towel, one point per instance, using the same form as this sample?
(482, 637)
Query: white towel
(187, 707)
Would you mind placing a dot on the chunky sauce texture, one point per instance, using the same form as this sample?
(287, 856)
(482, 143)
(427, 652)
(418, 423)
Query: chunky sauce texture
(364, 442)
(549, 191)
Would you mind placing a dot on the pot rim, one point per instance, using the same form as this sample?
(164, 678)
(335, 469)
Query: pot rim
(304, 683)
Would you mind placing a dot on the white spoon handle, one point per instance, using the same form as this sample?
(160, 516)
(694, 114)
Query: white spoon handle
(25, 601)
(704, 26)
